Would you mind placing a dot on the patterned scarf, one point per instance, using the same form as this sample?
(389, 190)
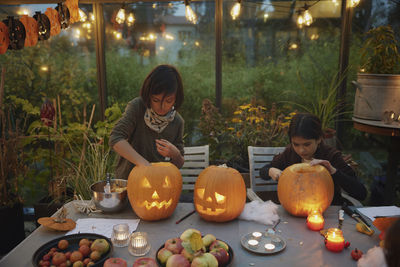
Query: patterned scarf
(156, 122)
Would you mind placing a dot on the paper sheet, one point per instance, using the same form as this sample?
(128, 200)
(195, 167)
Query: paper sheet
(101, 226)
(388, 211)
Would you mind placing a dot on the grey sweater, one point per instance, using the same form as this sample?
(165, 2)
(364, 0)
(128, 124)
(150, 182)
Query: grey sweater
(131, 127)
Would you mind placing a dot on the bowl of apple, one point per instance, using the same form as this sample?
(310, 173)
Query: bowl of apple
(193, 249)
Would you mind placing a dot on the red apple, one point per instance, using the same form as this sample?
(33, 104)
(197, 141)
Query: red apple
(188, 255)
(163, 255)
(206, 259)
(177, 260)
(221, 255)
(219, 244)
(145, 262)
(174, 245)
(115, 262)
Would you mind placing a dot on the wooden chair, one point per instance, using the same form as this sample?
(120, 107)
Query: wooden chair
(196, 160)
(258, 157)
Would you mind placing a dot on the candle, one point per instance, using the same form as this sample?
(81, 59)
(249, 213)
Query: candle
(120, 235)
(256, 235)
(315, 221)
(252, 243)
(269, 246)
(138, 244)
(334, 240)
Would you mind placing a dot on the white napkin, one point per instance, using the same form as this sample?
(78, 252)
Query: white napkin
(260, 211)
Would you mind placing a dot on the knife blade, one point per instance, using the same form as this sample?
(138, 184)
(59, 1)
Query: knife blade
(361, 217)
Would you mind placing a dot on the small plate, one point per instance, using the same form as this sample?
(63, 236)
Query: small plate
(230, 251)
(278, 241)
(73, 241)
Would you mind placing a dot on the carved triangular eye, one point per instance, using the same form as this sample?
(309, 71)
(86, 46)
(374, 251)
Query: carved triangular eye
(167, 183)
(146, 183)
(200, 192)
(220, 198)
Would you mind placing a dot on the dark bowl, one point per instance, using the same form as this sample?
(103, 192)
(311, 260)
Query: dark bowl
(73, 241)
(230, 251)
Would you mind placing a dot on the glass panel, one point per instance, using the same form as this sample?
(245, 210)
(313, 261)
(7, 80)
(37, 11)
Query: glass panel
(161, 34)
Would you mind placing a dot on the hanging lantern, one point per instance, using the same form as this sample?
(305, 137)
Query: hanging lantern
(154, 190)
(63, 15)
(43, 26)
(31, 30)
(16, 33)
(55, 26)
(4, 39)
(47, 113)
(219, 193)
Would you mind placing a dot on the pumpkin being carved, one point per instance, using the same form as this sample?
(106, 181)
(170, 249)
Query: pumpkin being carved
(219, 193)
(154, 191)
(303, 188)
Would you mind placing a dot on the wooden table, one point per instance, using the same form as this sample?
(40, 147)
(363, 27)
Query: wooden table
(393, 131)
(304, 247)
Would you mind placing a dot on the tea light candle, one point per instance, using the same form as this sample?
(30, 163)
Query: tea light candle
(315, 221)
(138, 244)
(256, 235)
(252, 243)
(334, 240)
(269, 246)
(120, 235)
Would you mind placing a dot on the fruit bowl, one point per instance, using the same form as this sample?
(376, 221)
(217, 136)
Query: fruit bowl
(73, 241)
(230, 251)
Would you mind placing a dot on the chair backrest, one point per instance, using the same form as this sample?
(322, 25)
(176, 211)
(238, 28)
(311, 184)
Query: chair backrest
(258, 157)
(196, 160)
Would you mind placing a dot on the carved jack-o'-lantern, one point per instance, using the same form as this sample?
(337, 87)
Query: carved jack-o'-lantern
(4, 39)
(219, 193)
(16, 33)
(73, 10)
(55, 27)
(31, 29)
(303, 188)
(43, 25)
(154, 191)
(63, 15)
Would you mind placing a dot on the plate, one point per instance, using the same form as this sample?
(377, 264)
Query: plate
(73, 241)
(278, 241)
(230, 251)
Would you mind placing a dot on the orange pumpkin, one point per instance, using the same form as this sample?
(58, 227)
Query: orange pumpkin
(73, 7)
(154, 191)
(219, 193)
(55, 26)
(4, 39)
(303, 188)
(31, 29)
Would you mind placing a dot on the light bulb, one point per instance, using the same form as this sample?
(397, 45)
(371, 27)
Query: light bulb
(307, 18)
(190, 15)
(82, 15)
(235, 11)
(120, 18)
(354, 3)
(131, 19)
(300, 21)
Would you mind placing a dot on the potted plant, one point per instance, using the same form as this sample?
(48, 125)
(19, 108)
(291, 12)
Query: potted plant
(378, 83)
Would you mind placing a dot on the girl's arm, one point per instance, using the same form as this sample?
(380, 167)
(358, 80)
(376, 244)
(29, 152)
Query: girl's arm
(124, 149)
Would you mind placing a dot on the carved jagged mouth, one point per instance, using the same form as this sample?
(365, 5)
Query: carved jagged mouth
(209, 211)
(156, 204)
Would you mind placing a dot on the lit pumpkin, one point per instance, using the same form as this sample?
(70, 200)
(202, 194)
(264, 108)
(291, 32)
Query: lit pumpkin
(154, 191)
(31, 29)
(4, 39)
(219, 193)
(303, 188)
(55, 26)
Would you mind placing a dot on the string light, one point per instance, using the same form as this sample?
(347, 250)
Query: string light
(130, 20)
(354, 3)
(190, 15)
(307, 18)
(120, 18)
(304, 18)
(235, 11)
(82, 15)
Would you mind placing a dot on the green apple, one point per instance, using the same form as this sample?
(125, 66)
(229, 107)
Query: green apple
(185, 236)
(205, 260)
(101, 245)
(208, 239)
(188, 254)
(163, 255)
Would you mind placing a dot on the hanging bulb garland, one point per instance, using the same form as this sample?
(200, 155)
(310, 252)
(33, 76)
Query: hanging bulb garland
(190, 15)
(304, 18)
(120, 18)
(235, 11)
(130, 20)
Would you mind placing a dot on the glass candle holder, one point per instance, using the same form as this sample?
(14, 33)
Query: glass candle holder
(252, 243)
(120, 235)
(256, 235)
(334, 240)
(139, 244)
(269, 247)
(315, 221)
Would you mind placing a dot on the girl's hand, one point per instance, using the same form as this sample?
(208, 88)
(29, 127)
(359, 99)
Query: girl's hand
(324, 163)
(274, 173)
(166, 149)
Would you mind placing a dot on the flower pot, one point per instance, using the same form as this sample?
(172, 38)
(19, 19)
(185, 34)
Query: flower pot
(375, 94)
(11, 227)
